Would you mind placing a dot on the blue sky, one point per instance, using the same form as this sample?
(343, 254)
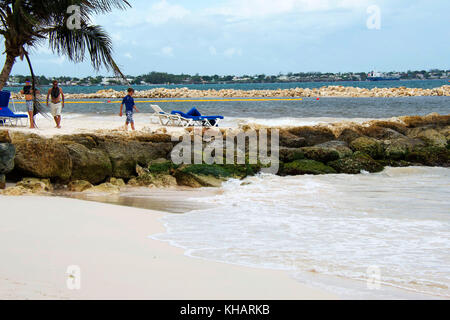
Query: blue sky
(267, 36)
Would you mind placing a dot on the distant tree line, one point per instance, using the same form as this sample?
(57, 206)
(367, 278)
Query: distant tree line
(167, 78)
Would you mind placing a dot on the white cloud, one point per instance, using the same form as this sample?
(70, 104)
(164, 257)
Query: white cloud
(167, 51)
(212, 51)
(163, 11)
(43, 49)
(230, 52)
(128, 55)
(248, 9)
(116, 36)
(156, 14)
(59, 61)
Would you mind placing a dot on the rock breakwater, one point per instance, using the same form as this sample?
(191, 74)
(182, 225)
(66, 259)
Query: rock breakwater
(111, 160)
(330, 91)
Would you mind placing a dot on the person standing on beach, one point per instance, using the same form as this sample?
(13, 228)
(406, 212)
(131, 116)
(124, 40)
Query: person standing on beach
(29, 100)
(56, 106)
(128, 101)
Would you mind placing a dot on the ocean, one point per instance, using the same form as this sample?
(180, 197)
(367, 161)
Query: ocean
(281, 112)
(272, 113)
(396, 222)
(317, 228)
(424, 84)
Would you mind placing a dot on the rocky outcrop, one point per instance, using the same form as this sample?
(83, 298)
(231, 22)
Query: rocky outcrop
(340, 147)
(321, 154)
(300, 167)
(203, 175)
(7, 154)
(291, 154)
(104, 188)
(36, 185)
(432, 120)
(41, 158)
(85, 157)
(313, 135)
(29, 186)
(348, 134)
(357, 163)
(430, 156)
(193, 180)
(158, 174)
(112, 160)
(117, 182)
(79, 186)
(290, 140)
(4, 136)
(92, 165)
(398, 149)
(330, 91)
(430, 136)
(125, 155)
(370, 146)
(16, 191)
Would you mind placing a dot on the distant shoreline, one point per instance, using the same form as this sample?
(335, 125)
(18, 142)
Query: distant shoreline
(325, 91)
(231, 83)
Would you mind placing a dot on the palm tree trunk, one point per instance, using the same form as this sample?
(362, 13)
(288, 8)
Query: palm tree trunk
(37, 106)
(33, 86)
(4, 75)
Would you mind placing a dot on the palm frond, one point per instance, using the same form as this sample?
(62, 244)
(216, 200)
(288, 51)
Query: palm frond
(26, 23)
(75, 43)
(104, 6)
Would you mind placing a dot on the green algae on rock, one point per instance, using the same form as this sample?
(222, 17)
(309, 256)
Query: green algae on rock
(320, 154)
(369, 146)
(356, 163)
(301, 167)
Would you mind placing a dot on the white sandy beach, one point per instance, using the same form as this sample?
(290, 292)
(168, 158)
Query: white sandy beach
(74, 123)
(41, 237)
(82, 123)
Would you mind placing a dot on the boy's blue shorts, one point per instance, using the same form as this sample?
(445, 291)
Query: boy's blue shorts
(130, 117)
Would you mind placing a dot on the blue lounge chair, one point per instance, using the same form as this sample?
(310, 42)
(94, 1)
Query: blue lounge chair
(7, 117)
(194, 118)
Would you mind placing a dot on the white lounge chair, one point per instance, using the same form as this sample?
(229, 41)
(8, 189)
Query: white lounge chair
(167, 119)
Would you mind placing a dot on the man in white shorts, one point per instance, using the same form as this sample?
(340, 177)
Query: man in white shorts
(56, 106)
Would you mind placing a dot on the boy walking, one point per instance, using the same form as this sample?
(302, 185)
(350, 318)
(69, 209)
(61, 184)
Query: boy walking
(128, 101)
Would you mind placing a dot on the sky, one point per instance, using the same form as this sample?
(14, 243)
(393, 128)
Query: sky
(267, 37)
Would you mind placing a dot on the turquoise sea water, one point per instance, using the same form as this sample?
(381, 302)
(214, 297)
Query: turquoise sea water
(270, 110)
(425, 84)
(278, 110)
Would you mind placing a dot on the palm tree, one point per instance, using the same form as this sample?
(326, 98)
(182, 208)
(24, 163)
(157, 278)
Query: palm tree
(28, 23)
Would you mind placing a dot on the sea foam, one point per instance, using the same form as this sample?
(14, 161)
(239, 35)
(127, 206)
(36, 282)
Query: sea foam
(335, 225)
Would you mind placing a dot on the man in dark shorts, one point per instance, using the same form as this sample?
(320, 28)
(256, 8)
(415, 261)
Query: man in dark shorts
(29, 100)
(130, 107)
